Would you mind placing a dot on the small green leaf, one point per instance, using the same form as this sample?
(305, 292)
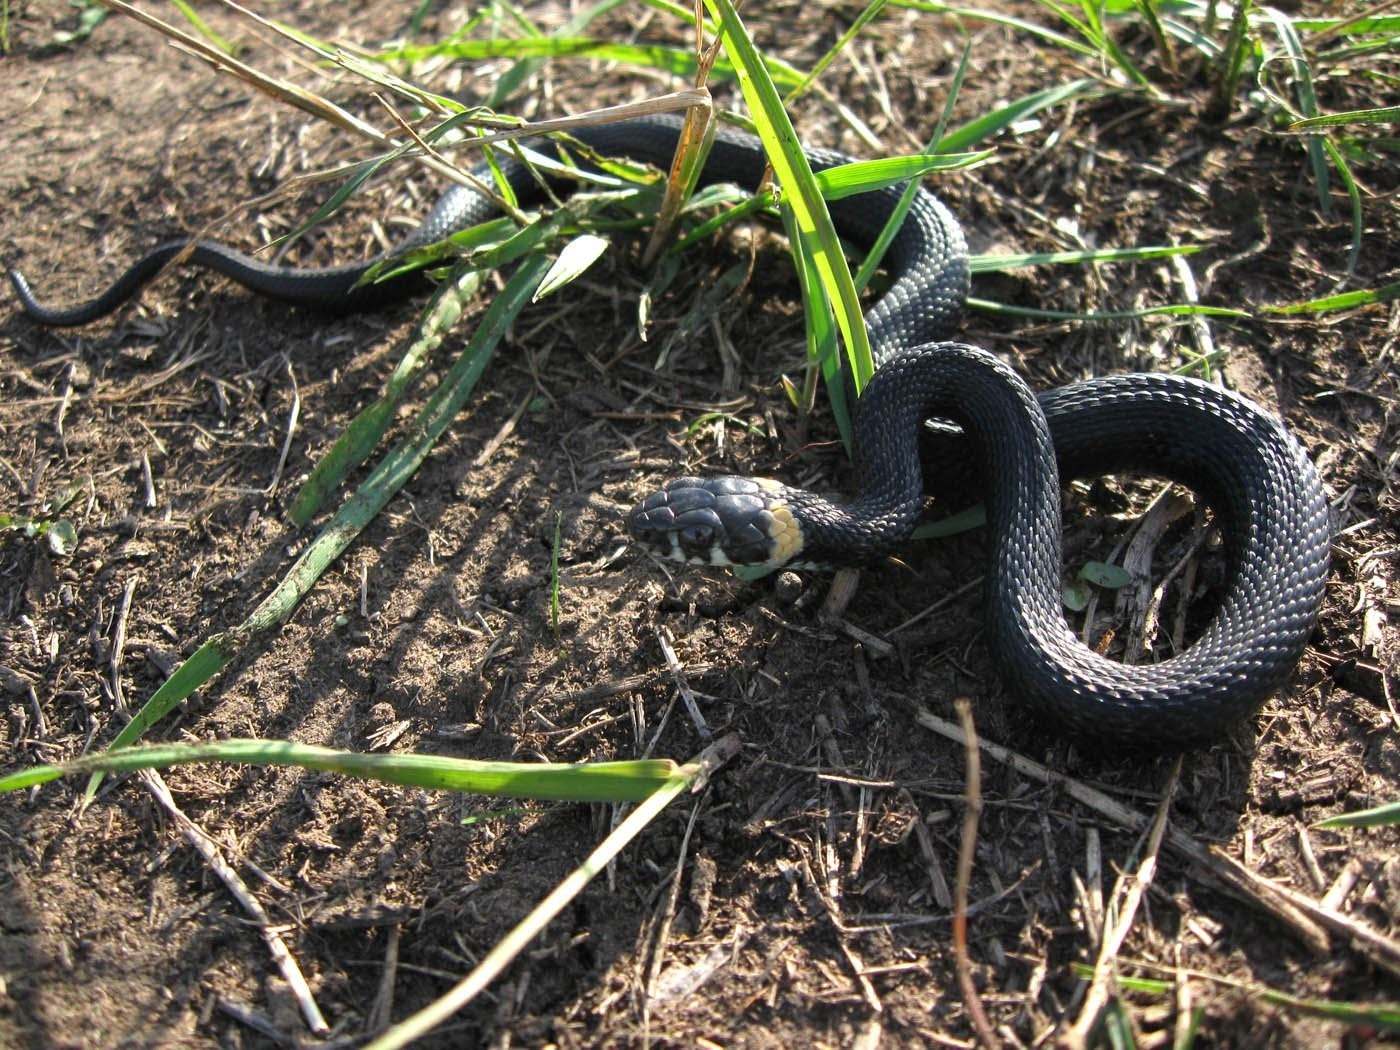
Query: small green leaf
(574, 260)
(1102, 574)
(1076, 596)
(62, 537)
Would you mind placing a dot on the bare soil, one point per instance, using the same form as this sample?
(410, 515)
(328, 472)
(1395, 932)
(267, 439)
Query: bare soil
(813, 878)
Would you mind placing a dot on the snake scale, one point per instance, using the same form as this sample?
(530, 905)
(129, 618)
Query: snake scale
(1268, 501)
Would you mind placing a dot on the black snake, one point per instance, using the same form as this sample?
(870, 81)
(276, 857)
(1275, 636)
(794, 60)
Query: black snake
(1268, 501)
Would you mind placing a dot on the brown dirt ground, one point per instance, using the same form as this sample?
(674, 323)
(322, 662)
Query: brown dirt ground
(113, 932)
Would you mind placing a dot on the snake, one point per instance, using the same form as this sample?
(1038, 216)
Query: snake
(1268, 502)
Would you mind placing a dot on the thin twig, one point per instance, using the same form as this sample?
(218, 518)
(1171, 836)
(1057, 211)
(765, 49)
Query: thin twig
(514, 942)
(663, 932)
(292, 418)
(1101, 985)
(966, 853)
(678, 673)
(119, 643)
(212, 855)
(1228, 874)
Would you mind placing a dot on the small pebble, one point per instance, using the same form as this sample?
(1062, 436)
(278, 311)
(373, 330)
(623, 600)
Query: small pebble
(788, 587)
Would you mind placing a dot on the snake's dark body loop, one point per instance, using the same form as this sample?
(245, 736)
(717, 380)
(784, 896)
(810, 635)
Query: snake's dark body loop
(1267, 498)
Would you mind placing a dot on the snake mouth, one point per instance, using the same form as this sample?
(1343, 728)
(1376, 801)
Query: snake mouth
(720, 521)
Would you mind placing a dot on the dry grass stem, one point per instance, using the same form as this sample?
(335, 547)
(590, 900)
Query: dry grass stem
(967, 851)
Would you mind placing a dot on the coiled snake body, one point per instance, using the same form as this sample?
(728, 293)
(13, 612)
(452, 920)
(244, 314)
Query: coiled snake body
(1268, 501)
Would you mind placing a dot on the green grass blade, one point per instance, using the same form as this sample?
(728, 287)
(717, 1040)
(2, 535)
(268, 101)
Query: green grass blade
(821, 332)
(203, 28)
(509, 82)
(995, 263)
(1033, 28)
(871, 10)
(974, 131)
(952, 525)
(862, 176)
(354, 445)
(906, 199)
(1170, 310)
(1344, 301)
(794, 173)
(494, 963)
(627, 781)
(678, 61)
(393, 471)
(1349, 26)
(1384, 115)
(1307, 100)
(493, 233)
(1354, 196)
(1380, 816)
(1382, 1015)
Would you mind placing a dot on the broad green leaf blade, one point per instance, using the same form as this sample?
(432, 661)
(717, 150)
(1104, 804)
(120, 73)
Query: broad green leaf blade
(627, 781)
(574, 260)
(794, 173)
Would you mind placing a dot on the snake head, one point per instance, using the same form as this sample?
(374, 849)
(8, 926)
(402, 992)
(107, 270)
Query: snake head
(719, 521)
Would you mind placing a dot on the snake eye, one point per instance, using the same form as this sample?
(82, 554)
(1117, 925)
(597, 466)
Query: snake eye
(697, 537)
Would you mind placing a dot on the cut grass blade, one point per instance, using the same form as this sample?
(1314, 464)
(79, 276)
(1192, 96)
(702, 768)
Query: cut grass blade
(995, 263)
(394, 470)
(1169, 310)
(863, 176)
(627, 781)
(1384, 115)
(1344, 301)
(811, 218)
(1380, 816)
